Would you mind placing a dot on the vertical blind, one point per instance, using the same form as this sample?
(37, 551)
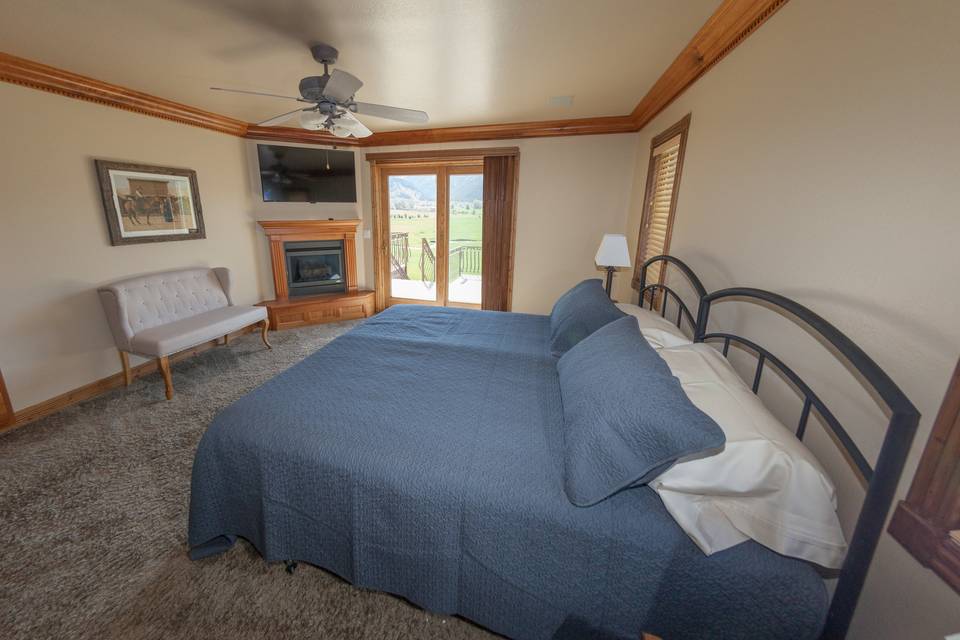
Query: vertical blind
(657, 217)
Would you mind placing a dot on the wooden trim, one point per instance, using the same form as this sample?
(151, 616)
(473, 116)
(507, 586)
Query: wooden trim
(336, 228)
(381, 195)
(443, 165)
(729, 25)
(287, 313)
(441, 273)
(72, 85)
(381, 238)
(470, 155)
(681, 128)
(508, 131)
(6, 407)
(101, 386)
(923, 522)
(280, 231)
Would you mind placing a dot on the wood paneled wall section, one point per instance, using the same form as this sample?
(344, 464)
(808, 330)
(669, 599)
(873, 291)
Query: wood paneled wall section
(729, 25)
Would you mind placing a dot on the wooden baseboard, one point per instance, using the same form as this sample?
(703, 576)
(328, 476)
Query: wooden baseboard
(98, 387)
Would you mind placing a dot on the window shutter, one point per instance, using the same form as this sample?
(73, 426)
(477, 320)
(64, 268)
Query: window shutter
(658, 217)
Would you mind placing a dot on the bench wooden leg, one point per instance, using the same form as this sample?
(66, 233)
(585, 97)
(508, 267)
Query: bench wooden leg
(127, 375)
(226, 339)
(164, 365)
(264, 327)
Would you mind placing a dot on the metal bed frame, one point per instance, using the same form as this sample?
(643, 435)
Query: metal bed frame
(881, 479)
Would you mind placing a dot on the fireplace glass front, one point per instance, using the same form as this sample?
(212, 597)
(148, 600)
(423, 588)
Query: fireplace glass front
(314, 267)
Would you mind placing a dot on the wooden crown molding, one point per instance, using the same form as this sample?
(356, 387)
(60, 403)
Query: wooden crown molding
(440, 154)
(45, 78)
(729, 25)
(508, 131)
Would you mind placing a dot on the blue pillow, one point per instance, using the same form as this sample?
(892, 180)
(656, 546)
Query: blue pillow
(578, 313)
(626, 418)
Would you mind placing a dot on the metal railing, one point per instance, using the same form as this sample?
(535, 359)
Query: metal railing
(399, 253)
(466, 260)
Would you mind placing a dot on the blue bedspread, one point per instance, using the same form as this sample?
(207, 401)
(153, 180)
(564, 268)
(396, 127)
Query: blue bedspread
(420, 454)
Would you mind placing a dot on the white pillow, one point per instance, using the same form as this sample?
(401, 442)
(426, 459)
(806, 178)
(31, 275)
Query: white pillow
(764, 484)
(658, 331)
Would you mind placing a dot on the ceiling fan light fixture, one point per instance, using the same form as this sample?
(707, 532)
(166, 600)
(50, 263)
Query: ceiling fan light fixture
(312, 120)
(341, 131)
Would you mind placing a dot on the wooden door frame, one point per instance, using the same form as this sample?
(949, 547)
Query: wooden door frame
(6, 407)
(380, 175)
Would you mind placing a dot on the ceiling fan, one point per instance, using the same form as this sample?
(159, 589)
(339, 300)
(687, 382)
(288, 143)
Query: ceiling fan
(331, 100)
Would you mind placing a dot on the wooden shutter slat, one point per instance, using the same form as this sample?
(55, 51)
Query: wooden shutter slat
(666, 159)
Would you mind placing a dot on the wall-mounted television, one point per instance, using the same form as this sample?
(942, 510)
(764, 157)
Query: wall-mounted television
(303, 174)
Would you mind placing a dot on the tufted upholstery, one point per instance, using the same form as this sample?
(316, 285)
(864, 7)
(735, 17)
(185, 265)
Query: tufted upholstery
(160, 313)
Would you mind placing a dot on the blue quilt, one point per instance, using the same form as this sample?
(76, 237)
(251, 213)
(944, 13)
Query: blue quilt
(421, 454)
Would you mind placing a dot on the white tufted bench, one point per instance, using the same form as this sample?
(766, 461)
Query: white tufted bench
(160, 314)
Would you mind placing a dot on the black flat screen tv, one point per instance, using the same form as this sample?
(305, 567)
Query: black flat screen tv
(302, 174)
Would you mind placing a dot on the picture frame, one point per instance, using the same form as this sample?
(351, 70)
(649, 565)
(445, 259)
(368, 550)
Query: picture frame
(146, 203)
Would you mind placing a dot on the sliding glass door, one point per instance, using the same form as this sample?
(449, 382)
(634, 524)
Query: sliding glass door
(434, 235)
(413, 236)
(465, 186)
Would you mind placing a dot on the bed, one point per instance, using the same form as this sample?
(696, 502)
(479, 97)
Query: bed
(420, 454)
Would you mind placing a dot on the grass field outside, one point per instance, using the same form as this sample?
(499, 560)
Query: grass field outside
(466, 228)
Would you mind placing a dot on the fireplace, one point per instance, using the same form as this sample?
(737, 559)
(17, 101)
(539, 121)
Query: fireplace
(315, 273)
(314, 267)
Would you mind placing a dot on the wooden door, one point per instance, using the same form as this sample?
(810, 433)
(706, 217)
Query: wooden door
(418, 262)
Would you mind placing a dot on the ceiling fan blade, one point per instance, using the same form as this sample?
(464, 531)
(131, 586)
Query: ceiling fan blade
(356, 128)
(259, 93)
(281, 118)
(341, 86)
(391, 113)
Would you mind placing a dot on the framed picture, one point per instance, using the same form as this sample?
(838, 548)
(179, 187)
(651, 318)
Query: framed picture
(149, 204)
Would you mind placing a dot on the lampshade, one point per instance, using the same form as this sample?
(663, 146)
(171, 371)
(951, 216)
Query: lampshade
(613, 251)
(312, 120)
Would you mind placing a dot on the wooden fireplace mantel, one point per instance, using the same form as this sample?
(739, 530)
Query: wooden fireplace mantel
(284, 311)
(280, 231)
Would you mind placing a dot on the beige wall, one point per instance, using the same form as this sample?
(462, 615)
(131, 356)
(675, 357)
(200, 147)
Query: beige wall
(301, 211)
(823, 163)
(572, 191)
(54, 243)
(56, 250)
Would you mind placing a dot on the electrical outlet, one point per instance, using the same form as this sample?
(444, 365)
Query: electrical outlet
(367, 236)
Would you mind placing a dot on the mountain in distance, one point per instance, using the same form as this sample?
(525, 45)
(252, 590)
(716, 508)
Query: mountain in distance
(465, 188)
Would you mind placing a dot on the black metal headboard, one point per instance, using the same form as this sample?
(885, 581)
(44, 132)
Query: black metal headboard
(882, 479)
(682, 310)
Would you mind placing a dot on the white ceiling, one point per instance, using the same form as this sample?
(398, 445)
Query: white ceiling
(462, 61)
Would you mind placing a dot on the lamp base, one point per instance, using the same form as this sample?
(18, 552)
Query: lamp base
(610, 271)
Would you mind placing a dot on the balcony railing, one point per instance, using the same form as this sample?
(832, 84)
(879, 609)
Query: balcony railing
(466, 260)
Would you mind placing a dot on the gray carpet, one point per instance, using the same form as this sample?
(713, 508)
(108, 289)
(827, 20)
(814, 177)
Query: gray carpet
(93, 523)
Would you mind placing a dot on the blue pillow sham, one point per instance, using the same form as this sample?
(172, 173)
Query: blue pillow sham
(578, 313)
(626, 418)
